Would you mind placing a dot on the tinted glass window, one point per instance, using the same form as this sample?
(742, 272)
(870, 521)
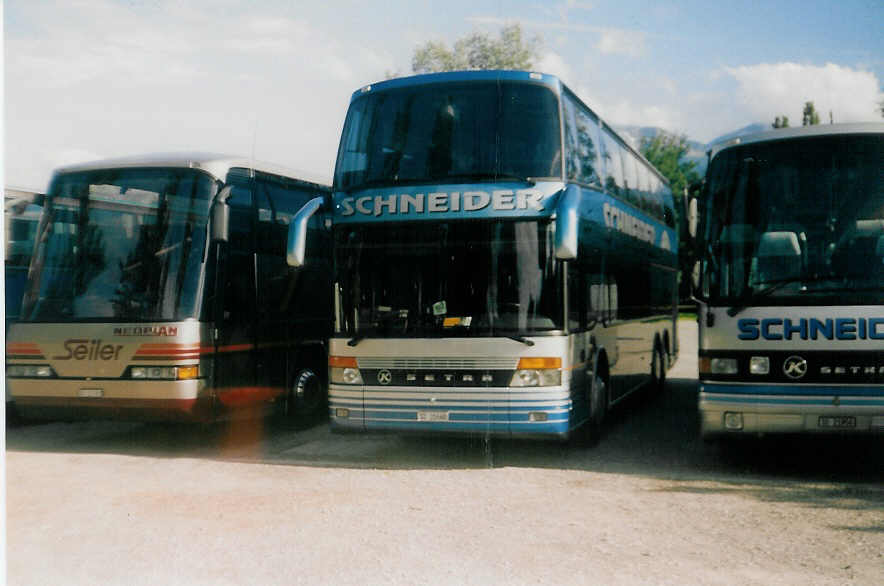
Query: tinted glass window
(450, 132)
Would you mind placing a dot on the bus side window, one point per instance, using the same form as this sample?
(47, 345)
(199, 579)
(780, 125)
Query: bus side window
(630, 177)
(587, 137)
(572, 148)
(613, 164)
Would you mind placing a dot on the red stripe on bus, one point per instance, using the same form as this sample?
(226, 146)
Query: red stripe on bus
(242, 396)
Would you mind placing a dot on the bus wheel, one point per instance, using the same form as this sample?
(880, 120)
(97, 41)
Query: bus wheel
(598, 407)
(305, 397)
(658, 369)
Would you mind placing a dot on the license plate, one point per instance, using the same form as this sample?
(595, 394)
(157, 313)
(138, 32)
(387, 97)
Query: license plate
(92, 393)
(432, 415)
(839, 422)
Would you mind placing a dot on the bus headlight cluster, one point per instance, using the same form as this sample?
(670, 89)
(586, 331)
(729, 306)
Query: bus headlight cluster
(718, 366)
(29, 371)
(164, 372)
(537, 372)
(344, 370)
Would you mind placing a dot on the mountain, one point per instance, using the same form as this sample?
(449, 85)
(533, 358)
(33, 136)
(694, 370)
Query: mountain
(634, 134)
(750, 129)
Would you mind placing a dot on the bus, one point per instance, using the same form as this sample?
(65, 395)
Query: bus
(791, 283)
(505, 263)
(159, 289)
(21, 214)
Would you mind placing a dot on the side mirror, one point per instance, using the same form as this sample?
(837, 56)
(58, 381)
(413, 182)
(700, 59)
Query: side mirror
(567, 225)
(296, 247)
(221, 215)
(695, 279)
(693, 217)
(692, 196)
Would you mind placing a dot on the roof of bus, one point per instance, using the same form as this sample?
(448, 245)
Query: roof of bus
(454, 76)
(798, 132)
(216, 164)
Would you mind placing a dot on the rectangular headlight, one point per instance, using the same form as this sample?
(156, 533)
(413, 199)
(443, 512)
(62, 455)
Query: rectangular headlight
(759, 365)
(29, 371)
(155, 372)
(724, 366)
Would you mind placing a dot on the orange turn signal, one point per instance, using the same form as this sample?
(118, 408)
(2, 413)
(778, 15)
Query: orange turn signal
(533, 363)
(342, 361)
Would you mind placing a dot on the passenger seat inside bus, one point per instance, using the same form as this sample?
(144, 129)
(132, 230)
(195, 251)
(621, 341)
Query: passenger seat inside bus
(860, 251)
(779, 257)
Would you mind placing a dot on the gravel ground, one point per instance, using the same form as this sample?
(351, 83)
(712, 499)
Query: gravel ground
(104, 503)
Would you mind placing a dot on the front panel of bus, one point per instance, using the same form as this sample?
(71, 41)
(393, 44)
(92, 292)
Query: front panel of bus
(449, 299)
(109, 319)
(792, 324)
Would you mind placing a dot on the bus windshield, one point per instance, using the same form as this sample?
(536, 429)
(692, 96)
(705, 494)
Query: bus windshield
(448, 279)
(451, 132)
(120, 245)
(797, 221)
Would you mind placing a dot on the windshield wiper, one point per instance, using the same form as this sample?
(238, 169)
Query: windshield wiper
(522, 339)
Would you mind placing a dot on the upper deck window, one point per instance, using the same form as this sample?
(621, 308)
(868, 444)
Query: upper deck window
(450, 133)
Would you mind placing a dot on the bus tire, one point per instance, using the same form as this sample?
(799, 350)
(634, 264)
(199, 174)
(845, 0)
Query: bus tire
(305, 397)
(598, 407)
(658, 368)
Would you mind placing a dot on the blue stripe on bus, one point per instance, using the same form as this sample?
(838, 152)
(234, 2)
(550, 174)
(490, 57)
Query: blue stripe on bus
(802, 390)
(763, 400)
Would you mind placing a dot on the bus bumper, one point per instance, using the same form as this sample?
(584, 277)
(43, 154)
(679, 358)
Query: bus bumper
(492, 411)
(107, 399)
(730, 409)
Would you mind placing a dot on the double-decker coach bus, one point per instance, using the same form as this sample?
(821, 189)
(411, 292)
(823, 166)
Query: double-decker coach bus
(792, 282)
(159, 288)
(505, 263)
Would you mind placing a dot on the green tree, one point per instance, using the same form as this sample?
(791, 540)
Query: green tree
(810, 116)
(512, 50)
(667, 153)
(781, 122)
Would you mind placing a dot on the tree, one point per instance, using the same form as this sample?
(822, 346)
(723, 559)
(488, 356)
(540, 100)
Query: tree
(666, 152)
(781, 122)
(810, 116)
(881, 108)
(512, 50)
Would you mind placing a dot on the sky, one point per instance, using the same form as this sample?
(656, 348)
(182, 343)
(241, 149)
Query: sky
(89, 79)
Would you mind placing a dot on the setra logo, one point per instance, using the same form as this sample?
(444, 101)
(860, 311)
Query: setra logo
(80, 349)
(795, 367)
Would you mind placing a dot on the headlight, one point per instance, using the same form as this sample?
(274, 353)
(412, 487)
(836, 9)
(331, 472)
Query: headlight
(537, 372)
(344, 370)
(347, 376)
(724, 366)
(29, 371)
(759, 365)
(155, 372)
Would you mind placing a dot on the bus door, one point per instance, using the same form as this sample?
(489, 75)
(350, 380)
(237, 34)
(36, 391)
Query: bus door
(235, 365)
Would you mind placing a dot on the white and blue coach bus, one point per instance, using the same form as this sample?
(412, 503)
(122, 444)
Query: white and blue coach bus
(504, 262)
(792, 282)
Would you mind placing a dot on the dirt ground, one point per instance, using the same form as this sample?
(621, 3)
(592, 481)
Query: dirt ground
(102, 503)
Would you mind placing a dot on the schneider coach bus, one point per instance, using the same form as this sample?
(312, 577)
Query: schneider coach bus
(159, 288)
(792, 282)
(504, 262)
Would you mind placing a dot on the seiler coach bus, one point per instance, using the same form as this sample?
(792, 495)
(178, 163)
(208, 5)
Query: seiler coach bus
(158, 288)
